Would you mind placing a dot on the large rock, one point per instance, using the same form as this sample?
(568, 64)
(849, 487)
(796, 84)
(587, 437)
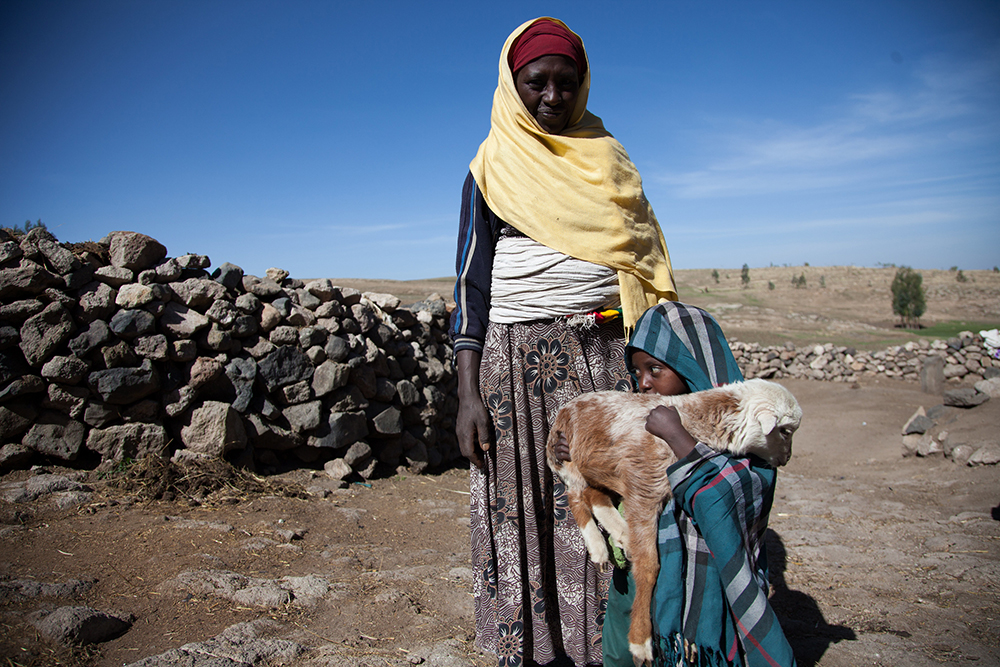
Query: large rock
(15, 455)
(990, 387)
(408, 393)
(300, 317)
(223, 312)
(28, 279)
(155, 347)
(346, 428)
(114, 276)
(198, 293)
(228, 275)
(59, 258)
(67, 399)
(134, 251)
(386, 302)
(17, 312)
(182, 322)
(96, 301)
(55, 435)
(265, 288)
(43, 333)
(388, 422)
(65, 369)
(96, 334)
(134, 295)
(128, 324)
(22, 386)
(82, 625)
(16, 418)
(203, 371)
(215, 429)
(268, 436)
(304, 416)
(285, 366)
(986, 455)
(120, 386)
(329, 376)
(10, 251)
(134, 441)
(242, 372)
(965, 397)
(932, 375)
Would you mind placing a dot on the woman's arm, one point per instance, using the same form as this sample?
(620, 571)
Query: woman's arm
(477, 230)
(474, 269)
(472, 426)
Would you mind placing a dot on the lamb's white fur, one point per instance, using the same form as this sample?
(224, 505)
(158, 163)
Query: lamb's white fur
(611, 451)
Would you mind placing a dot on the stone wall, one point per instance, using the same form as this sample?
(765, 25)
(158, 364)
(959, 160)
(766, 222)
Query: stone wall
(960, 360)
(113, 350)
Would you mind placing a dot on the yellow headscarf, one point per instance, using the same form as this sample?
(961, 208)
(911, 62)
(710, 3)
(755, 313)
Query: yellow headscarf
(576, 192)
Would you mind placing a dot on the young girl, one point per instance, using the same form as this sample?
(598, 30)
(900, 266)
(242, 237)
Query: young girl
(710, 606)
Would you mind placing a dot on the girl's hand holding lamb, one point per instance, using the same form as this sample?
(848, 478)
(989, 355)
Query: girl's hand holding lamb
(665, 423)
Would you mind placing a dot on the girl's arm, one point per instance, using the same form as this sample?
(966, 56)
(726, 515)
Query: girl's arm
(664, 422)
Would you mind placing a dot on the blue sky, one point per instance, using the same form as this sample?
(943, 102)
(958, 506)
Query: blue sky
(331, 139)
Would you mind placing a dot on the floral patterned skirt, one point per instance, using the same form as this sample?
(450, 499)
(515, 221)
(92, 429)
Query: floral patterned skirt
(537, 595)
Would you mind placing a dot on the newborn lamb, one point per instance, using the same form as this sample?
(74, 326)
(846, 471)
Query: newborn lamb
(611, 451)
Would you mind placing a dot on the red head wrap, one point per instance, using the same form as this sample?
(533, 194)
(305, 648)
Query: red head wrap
(547, 38)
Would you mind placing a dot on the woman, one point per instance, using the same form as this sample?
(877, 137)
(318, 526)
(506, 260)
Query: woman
(555, 232)
(710, 606)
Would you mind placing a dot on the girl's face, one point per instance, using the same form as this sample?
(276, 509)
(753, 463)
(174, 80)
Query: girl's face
(655, 377)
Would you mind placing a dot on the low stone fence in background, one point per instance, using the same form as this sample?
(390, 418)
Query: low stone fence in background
(963, 360)
(112, 350)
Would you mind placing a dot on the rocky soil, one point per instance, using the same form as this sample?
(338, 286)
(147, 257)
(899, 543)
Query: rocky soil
(877, 559)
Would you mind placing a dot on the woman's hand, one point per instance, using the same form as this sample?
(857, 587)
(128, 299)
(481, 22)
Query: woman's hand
(472, 425)
(664, 422)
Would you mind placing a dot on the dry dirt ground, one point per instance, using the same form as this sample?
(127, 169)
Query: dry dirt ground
(875, 559)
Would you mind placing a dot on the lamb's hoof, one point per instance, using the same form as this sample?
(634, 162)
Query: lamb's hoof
(594, 542)
(642, 654)
(599, 557)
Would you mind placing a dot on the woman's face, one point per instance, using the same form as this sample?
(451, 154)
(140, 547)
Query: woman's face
(655, 377)
(549, 86)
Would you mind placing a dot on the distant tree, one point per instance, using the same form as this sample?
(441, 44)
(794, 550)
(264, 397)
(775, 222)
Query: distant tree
(799, 282)
(960, 277)
(745, 276)
(715, 275)
(908, 297)
(806, 264)
(770, 285)
(996, 269)
(953, 269)
(21, 230)
(822, 281)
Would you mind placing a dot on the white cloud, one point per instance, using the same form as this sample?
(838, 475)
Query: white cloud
(882, 138)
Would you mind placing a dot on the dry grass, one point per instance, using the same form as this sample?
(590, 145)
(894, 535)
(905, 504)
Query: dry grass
(205, 482)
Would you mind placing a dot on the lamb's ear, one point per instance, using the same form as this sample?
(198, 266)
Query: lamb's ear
(767, 420)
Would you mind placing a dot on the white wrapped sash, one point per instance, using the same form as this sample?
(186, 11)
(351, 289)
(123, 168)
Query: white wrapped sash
(532, 281)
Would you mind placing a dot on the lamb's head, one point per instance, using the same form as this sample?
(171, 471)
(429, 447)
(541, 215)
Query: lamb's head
(771, 417)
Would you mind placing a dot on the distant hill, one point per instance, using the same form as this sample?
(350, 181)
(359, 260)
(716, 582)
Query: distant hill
(845, 305)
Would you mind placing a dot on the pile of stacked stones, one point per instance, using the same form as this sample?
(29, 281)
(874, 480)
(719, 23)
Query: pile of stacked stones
(960, 360)
(112, 350)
